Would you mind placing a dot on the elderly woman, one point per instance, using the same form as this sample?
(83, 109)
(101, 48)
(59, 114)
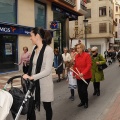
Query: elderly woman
(83, 65)
(97, 75)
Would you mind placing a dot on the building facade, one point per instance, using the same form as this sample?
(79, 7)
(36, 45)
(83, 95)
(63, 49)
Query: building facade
(99, 31)
(117, 27)
(18, 17)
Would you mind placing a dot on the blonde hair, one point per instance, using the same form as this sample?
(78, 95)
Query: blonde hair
(81, 45)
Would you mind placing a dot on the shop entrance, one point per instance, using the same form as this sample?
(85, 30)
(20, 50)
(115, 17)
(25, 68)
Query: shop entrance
(60, 34)
(8, 53)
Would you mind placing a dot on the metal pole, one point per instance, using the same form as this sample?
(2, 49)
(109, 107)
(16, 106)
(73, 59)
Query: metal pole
(85, 38)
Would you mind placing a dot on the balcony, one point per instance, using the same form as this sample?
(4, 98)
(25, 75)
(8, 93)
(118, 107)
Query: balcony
(81, 7)
(69, 2)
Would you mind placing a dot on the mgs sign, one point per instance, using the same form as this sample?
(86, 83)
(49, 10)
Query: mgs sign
(4, 29)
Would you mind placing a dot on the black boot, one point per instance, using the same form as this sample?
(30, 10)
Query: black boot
(86, 105)
(81, 104)
(98, 93)
(95, 92)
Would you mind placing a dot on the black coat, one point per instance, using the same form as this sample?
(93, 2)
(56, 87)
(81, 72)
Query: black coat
(59, 70)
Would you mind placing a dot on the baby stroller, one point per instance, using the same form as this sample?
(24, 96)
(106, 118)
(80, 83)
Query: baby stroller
(21, 98)
(6, 101)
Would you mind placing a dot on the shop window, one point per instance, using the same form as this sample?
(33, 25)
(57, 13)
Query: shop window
(40, 14)
(88, 14)
(102, 28)
(102, 11)
(8, 53)
(8, 11)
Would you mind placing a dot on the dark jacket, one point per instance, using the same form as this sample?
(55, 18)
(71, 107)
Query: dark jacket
(59, 69)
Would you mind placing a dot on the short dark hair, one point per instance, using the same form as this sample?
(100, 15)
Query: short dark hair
(45, 35)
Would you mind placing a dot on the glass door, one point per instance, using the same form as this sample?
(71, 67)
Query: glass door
(8, 53)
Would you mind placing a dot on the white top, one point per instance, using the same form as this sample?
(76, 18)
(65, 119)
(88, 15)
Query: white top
(72, 81)
(66, 57)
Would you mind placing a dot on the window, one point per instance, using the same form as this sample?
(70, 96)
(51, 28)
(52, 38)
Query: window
(88, 14)
(110, 28)
(88, 29)
(102, 27)
(8, 11)
(76, 31)
(116, 8)
(116, 20)
(110, 12)
(40, 15)
(116, 35)
(88, 1)
(76, 22)
(102, 11)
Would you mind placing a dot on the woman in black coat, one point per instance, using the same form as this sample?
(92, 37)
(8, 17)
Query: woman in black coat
(58, 63)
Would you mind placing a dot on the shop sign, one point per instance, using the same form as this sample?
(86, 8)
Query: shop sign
(9, 29)
(54, 25)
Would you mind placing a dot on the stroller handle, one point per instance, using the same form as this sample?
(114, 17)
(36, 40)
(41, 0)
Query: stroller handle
(12, 78)
(31, 84)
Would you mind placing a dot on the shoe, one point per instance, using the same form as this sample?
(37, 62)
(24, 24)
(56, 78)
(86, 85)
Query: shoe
(58, 80)
(98, 93)
(95, 93)
(81, 104)
(86, 105)
(72, 98)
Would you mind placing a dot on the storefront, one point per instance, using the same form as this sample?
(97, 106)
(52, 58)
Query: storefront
(9, 45)
(62, 16)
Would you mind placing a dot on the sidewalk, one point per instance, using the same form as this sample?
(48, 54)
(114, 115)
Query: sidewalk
(114, 111)
(5, 77)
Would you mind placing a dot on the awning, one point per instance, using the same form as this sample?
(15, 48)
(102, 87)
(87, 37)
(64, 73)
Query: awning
(72, 14)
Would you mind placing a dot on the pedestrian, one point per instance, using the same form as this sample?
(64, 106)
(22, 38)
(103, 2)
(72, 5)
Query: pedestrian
(73, 54)
(105, 54)
(83, 65)
(118, 57)
(109, 60)
(71, 81)
(40, 71)
(58, 63)
(97, 75)
(25, 60)
(66, 59)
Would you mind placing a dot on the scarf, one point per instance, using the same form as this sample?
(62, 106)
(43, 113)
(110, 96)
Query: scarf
(38, 69)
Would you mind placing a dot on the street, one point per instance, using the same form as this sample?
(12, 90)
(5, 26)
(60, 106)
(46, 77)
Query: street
(65, 109)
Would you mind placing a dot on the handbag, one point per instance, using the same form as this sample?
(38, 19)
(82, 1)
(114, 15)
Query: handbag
(102, 67)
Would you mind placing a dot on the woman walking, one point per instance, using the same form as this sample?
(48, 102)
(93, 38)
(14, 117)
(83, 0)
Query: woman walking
(40, 71)
(58, 63)
(83, 65)
(97, 75)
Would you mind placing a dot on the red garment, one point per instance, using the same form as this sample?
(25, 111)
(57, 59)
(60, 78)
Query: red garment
(83, 63)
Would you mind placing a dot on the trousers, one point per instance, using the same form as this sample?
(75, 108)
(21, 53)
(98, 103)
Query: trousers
(82, 90)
